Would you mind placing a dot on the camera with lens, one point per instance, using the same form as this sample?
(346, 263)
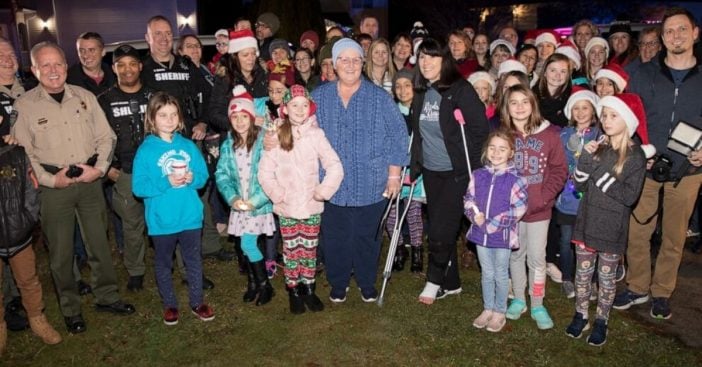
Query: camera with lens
(660, 170)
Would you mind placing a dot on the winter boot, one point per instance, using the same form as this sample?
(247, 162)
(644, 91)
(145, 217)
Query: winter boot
(251, 291)
(41, 328)
(311, 300)
(297, 306)
(398, 263)
(416, 259)
(264, 290)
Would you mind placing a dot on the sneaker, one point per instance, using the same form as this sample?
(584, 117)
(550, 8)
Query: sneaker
(443, 293)
(516, 308)
(270, 268)
(338, 295)
(497, 322)
(554, 273)
(204, 312)
(627, 299)
(577, 326)
(568, 289)
(621, 272)
(594, 292)
(483, 319)
(542, 318)
(170, 316)
(369, 295)
(599, 333)
(660, 309)
(691, 233)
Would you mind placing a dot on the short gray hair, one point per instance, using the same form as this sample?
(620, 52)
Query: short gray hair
(42, 45)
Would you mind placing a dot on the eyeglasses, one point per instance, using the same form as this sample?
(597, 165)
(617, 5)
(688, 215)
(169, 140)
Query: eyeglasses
(649, 44)
(276, 91)
(221, 44)
(261, 25)
(192, 46)
(302, 59)
(346, 61)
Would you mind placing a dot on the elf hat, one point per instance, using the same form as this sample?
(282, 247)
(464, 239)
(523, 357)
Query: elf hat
(578, 94)
(241, 102)
(631, 109)
(298, 90)
(243, 39)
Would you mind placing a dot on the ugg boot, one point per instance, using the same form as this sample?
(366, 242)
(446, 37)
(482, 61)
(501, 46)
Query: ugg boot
(251, 289)
(311, 300)
(297, 306)
(3, 336)
(264, 290)
(41, 328)
(416, 259)
(398, 263)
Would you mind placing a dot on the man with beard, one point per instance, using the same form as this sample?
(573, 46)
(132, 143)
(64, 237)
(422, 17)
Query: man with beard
(669, 86)
(125, 105)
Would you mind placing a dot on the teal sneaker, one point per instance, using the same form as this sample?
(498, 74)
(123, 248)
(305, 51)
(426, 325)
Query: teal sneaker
(540, 315)
(515, 310)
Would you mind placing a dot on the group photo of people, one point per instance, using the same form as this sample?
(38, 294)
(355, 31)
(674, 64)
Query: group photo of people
(320, 169)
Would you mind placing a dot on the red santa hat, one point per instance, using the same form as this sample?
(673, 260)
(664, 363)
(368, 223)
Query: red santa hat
(631, 109)
(616, 74)
(568, 49)
(549, 36)
(578, 94)
(239, 40)
(510, 65)
(241, 102)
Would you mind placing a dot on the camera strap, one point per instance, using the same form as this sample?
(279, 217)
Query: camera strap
(657, 212)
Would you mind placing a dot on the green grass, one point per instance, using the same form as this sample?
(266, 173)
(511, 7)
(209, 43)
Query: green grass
(402, 332)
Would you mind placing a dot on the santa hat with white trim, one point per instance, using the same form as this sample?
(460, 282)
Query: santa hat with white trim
(631, 109)
(241, 102)
(547, 36)
(578, 94)
(616, 74)
(243, 39)
(569, 49)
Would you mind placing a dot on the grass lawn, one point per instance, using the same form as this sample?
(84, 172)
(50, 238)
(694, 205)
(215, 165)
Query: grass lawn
(401, 333)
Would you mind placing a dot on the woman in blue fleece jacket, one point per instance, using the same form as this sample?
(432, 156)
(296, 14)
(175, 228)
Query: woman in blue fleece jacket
(168, 171)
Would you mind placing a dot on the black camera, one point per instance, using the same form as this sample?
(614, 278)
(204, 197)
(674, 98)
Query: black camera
(660, 170)
(73, 171)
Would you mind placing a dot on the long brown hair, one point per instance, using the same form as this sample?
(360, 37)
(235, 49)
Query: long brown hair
(543, 83)
(251, 136)
(157, 101)
(504, 134)
(535, 118)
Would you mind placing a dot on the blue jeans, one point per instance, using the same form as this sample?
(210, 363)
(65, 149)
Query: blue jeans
(494, 265)
(190, 244)
(567, 259)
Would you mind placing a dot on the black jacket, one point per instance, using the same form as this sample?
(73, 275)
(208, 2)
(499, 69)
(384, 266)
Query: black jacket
(459, 95)
(19, 200)
(552, 108)
(77, 76)
(222, 93)
(602, 222)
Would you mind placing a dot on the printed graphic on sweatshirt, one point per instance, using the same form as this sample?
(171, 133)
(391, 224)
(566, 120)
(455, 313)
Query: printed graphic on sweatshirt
(174, 162)
(530, 160)
(430, 112)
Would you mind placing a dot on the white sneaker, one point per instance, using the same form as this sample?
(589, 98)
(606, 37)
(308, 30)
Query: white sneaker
(554, 273)
(483, 319)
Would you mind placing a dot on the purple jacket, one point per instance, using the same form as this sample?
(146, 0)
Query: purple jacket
(501, 195)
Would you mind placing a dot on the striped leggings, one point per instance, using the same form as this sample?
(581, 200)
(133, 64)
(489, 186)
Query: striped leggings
(300, 237)
(413, 220)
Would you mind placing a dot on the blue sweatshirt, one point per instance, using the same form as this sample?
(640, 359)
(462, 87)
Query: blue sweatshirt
(169, 209)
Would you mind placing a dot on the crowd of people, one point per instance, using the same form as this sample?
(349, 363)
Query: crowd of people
(555, 149)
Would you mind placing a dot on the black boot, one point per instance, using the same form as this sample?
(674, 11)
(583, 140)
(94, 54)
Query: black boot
(311, 300)
(417, 260)
(251, 291)
(398, 263)
(297, 306)
(264, 290)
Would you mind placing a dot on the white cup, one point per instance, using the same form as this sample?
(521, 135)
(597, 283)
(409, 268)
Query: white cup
(179, 168)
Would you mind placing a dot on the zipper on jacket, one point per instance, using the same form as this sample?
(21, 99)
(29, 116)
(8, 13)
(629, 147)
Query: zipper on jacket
(487, 208)
(672, 114)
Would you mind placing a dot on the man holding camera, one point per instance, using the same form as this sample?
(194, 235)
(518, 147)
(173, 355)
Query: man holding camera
(62, 128)
(669, 86)
(124, 105)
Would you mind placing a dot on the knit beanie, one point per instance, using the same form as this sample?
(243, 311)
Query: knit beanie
(485, 76)
(615, 73)
(241, 102)
(569, 49)
(511, 65)
(239, 40)
(631, 109)
(343, 45)
(619, 27)
(505, 43)
(310, 35)
(547, 36)
(597, 41)
(299, 91)
(403, 74)
(325, 52)
(271, 20)
(578, 94)
(279, 43)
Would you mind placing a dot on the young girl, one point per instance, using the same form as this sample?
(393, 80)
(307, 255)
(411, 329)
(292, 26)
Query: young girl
(289, 175)
(580, 111)
(611, 175)
(168, 171)
(484, 85)
(553, 89)
(495, 201)
(540, 159)
(611, 80)
(237, 181)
